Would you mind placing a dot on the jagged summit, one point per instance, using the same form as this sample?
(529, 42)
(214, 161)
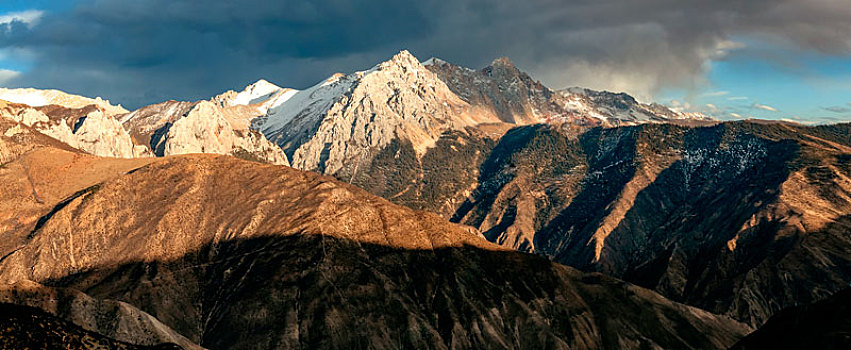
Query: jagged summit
(433, 61)
(403, 58)
(621, 108)
(503, 62)
(345, 119)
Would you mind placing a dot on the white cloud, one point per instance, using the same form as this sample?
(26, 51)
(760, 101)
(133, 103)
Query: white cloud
(764, 107)
(723, 48)
(736, 115)
(29, 17)
(716, 93)
(737, 98)
(6, 75)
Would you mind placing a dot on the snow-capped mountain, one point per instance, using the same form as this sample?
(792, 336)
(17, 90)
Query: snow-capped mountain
(514, 97)
(38, 98)
(619, 108)
(344, 120)
(260, 95)
(341, 123)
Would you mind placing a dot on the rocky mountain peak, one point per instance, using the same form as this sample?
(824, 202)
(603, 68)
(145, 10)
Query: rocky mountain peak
(403, 59)
(344, 121)
(503, 67)
(503, 62)
(434, 61)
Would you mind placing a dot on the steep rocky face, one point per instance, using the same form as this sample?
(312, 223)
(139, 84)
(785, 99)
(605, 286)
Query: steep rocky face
(620, 108)
(16, 138)
(235, 254)
(173, 127)
(23, 327)
(438, 181)
(503, 90)
(39, 98)
(823, 325)
(88, 128)
(741, 218)
(344, 121)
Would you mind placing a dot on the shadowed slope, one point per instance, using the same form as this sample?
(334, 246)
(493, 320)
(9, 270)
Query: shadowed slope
(23, 327)
(319, 292)
(823, 325)
(740, 218)
(232, 254)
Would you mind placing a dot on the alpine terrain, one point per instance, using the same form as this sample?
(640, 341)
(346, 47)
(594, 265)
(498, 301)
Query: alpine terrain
(416, 205)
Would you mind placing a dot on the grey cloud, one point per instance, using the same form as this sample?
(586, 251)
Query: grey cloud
(147, 50)
(837, 109)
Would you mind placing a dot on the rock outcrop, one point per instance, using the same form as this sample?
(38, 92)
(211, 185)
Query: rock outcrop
(88, 129)
(173, 127)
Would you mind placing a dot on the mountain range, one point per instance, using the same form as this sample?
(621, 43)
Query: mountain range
(513, 215)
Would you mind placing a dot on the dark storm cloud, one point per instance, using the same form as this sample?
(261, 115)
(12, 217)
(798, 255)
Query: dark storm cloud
(149, 50)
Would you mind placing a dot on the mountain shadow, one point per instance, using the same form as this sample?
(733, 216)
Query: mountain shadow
(319, 292)
(823, 325)
(23, 327)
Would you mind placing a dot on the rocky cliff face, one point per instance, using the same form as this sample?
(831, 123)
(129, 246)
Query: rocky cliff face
(504, 91)
(340, 124)
(235, 254)
(501, 90)
(88, 129)
(173, 127)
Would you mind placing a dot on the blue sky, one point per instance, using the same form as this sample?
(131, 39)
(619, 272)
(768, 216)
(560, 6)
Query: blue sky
(803, 88)
(772, 59)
